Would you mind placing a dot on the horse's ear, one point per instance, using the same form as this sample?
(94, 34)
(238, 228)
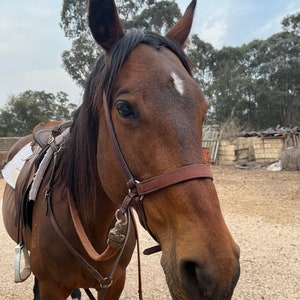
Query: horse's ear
(181, 30)
(105, 23)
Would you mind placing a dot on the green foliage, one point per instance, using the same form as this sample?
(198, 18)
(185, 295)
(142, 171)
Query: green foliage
(292, 23)
(73, 18)
(79, 61)
(201, 56)
(23, 112)
(279, 59)
(147, 14)
(225, 87)
(257, 85)
(158, 17)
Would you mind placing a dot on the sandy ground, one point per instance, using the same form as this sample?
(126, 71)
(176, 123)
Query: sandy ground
(262, 211)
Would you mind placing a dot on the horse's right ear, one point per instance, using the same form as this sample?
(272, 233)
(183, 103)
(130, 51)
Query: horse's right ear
(105, 23)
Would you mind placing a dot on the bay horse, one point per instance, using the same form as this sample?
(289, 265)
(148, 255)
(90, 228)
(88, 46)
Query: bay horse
(135, 142)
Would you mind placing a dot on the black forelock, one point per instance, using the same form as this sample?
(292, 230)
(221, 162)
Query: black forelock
(107, 69)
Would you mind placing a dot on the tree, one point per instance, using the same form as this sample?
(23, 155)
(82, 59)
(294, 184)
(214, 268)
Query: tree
(280, 66)
(225, 90)
(251, 84)
(23, 112)
(292, 23)
(257, 84)
(79, 60)
(201, 56)
(147, 14)
(160, 16)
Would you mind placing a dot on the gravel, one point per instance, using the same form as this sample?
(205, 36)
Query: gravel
(262, 211)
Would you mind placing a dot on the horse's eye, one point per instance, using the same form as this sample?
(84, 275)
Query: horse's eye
(125, 110)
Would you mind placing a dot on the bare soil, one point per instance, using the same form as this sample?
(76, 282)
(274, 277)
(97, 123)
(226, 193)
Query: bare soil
(262, 211)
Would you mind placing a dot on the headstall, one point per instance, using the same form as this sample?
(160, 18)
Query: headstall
(138, 189)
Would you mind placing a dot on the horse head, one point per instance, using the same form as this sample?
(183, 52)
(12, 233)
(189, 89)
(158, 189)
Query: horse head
(157, 111)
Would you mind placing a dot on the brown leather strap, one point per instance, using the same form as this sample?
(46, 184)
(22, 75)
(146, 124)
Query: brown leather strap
(93, 271)
(160, 181)
(105, 282)
(125, 169)
(140, 291)
(108, 253)
(173, 177)
(151, 250)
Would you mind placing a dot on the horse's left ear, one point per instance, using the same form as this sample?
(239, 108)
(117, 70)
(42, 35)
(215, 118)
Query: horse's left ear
(179, 33)
(105, 23)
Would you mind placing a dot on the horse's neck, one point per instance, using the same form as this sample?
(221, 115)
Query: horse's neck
(78, 166)
(97, 210)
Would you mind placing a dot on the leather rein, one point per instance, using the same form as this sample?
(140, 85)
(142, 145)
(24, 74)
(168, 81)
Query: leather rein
(118, 235)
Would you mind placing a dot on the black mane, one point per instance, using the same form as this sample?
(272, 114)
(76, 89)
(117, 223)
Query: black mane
(80, 164)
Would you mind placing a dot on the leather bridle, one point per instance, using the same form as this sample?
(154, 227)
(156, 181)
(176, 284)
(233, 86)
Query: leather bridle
(138, 189)
(119, 234)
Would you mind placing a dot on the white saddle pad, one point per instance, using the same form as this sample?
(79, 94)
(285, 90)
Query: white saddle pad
(13, 168)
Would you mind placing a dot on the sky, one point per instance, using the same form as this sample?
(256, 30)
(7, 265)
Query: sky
(31, 40)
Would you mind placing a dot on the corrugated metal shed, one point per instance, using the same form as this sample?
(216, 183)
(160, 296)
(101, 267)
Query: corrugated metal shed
(211, 140)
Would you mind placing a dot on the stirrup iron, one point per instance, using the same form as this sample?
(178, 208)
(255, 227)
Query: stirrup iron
(21, 276)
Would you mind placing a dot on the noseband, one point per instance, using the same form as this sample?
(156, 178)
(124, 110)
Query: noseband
(136, 189)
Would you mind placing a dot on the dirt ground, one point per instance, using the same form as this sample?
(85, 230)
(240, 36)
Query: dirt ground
(262, 211)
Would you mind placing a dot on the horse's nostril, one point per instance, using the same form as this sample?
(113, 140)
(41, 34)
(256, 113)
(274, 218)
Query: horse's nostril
(201, 282)
(195, 280)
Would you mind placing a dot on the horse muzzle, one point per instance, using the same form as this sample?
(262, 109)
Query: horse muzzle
(202, 279)
(201, 282)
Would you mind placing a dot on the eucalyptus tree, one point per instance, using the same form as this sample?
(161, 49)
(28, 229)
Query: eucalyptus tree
(226, 89)
(22, 112)
(291, 23)
(153, 15)
(280, 67)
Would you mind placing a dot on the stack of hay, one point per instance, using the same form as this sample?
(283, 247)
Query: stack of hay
(290, 159)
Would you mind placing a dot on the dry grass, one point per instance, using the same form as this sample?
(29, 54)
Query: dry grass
(231, 130)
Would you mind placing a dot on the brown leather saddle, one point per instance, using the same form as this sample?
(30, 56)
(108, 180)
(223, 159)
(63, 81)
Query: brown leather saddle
(43, 135)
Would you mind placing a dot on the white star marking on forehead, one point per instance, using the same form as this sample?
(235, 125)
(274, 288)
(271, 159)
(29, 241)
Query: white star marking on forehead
(178, 83)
